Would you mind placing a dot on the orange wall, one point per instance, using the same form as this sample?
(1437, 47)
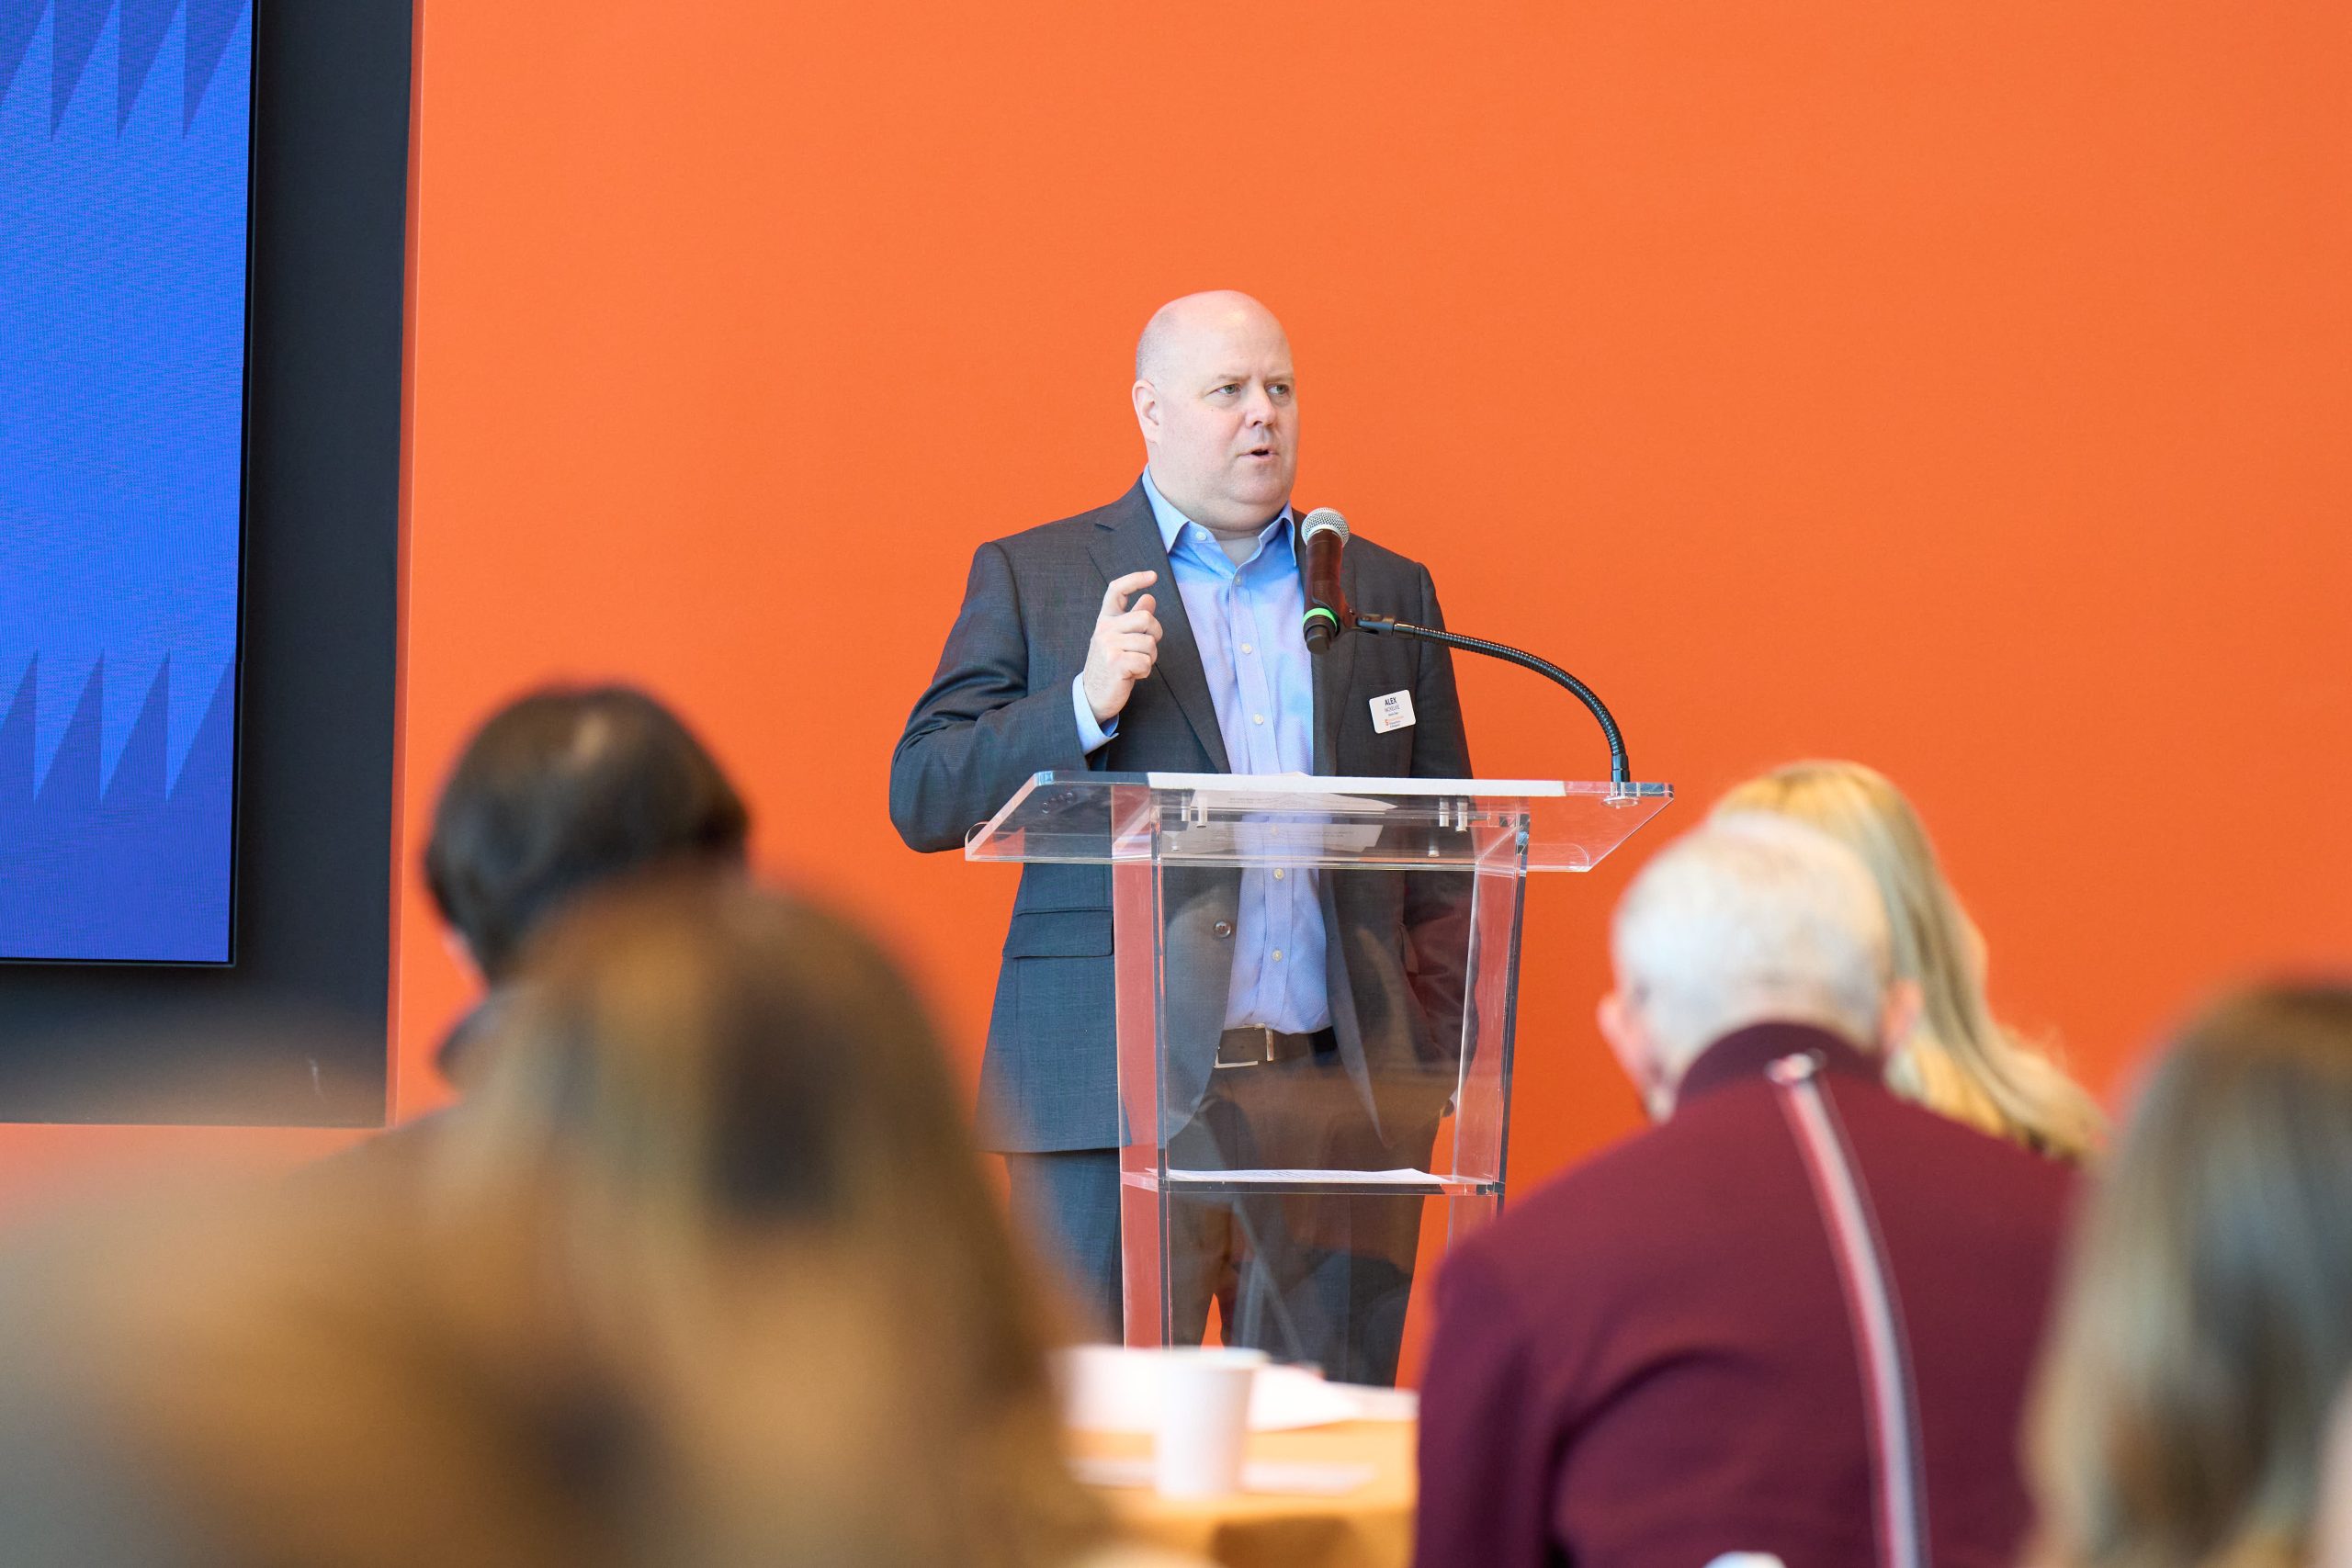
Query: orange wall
(1963, 388)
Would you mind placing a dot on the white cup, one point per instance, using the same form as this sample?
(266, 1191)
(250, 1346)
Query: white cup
(1204, 1420)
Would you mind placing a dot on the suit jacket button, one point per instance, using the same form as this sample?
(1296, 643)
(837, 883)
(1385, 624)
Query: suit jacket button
(1223, 927)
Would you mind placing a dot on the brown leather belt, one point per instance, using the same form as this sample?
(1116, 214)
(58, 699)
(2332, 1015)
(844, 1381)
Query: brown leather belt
(1255, 1046)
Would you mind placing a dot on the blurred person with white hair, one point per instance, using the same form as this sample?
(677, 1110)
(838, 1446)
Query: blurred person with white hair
(1797, 1316)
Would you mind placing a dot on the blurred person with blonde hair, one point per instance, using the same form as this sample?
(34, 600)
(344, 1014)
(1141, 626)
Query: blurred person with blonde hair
(2205, 1329)
(706, 1275)
(1958, 1059)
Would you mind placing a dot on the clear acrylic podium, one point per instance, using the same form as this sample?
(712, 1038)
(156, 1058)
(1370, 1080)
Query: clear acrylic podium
(1287, 1180)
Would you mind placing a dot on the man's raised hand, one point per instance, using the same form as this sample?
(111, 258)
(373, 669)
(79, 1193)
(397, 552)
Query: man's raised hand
(1125, 646)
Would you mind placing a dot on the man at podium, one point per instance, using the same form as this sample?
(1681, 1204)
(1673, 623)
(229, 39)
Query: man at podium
(1164, 633)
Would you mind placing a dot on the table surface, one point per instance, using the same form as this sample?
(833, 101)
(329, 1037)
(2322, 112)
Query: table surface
(1371, 1527)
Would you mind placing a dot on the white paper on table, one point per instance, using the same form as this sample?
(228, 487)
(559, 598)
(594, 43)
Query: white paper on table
(1111, 1388)
(1385, 1403)
(1289, 1478)
(1321, 1178)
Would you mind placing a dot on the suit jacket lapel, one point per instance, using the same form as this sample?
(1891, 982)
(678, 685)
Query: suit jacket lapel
(1333, 672)
(1126, 539)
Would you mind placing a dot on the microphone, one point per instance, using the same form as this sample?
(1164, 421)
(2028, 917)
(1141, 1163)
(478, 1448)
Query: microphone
(1320, 539)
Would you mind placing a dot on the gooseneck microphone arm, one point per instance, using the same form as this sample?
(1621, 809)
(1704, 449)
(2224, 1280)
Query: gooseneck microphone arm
(1620, 771)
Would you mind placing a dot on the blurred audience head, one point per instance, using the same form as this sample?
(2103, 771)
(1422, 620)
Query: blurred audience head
(731, 1125)
(1750, 918)
(561, 790)
(2206, 1328)
(2332, 1530)
(705, 1276)
(1958, 1060)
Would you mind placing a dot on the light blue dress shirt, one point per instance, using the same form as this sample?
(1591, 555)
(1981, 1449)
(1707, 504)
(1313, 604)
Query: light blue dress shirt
(1247, 618)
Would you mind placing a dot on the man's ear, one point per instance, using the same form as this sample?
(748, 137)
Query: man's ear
(1146, 398)
(1617, 1026)
(1621, 1025)
(1898, 1015)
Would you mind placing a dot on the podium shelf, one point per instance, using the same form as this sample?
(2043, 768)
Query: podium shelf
(1311, 1183)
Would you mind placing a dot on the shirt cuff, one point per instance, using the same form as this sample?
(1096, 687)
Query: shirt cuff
(1091, 737)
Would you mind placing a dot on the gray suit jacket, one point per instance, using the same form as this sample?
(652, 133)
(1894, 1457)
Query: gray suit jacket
(1000, 710)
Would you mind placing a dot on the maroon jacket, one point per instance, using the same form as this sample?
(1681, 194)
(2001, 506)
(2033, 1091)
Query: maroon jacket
(1653, 1360)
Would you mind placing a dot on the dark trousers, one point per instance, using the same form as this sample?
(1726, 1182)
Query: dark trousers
(1322, 1279)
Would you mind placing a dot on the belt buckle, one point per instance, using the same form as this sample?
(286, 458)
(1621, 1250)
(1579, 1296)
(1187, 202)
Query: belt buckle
(1265, 1048)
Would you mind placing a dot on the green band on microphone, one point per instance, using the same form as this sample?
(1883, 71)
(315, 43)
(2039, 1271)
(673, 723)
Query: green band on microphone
(1326, 615)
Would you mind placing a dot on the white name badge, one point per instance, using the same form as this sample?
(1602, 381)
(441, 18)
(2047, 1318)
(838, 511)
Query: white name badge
(1393, 711)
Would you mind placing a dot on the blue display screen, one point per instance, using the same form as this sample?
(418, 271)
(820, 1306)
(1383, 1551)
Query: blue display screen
(123, 180)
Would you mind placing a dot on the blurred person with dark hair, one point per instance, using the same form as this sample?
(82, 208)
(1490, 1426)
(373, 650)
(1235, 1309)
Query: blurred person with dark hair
(1797, 1316)
(2206, 1327)
(711, 1276)
(559, 792)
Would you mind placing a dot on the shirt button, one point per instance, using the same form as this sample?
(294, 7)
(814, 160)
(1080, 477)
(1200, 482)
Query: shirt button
(1278, 955)
(1278, 874)
(1246, 649)
(1256, 718)
(1223, 927)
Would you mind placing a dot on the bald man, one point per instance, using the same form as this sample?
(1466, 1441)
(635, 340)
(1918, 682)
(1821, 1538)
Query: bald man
(1314, 1020)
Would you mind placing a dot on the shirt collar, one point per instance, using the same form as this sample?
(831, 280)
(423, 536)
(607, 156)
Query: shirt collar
(1173, 522)
(1745, 1054)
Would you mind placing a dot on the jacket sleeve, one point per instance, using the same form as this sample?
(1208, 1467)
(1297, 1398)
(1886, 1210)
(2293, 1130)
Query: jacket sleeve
(1437, 904)
(1440, 748)
(978, 732)
(1486, 1452)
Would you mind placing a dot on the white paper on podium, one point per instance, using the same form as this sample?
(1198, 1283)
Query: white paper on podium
(1262, 840)
(1267, 791)
(1230, 786)
(1111, 1388)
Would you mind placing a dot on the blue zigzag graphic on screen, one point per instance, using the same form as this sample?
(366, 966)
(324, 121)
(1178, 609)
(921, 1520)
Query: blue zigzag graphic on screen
(75, 27)
(134, 870)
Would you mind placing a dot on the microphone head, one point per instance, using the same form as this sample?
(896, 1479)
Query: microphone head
(1323, 520)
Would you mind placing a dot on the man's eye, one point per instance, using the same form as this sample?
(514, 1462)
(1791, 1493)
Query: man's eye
(1280, 388)
(1229, 387)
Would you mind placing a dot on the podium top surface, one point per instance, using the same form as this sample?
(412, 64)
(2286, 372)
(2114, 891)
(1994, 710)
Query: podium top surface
(1292, 820)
